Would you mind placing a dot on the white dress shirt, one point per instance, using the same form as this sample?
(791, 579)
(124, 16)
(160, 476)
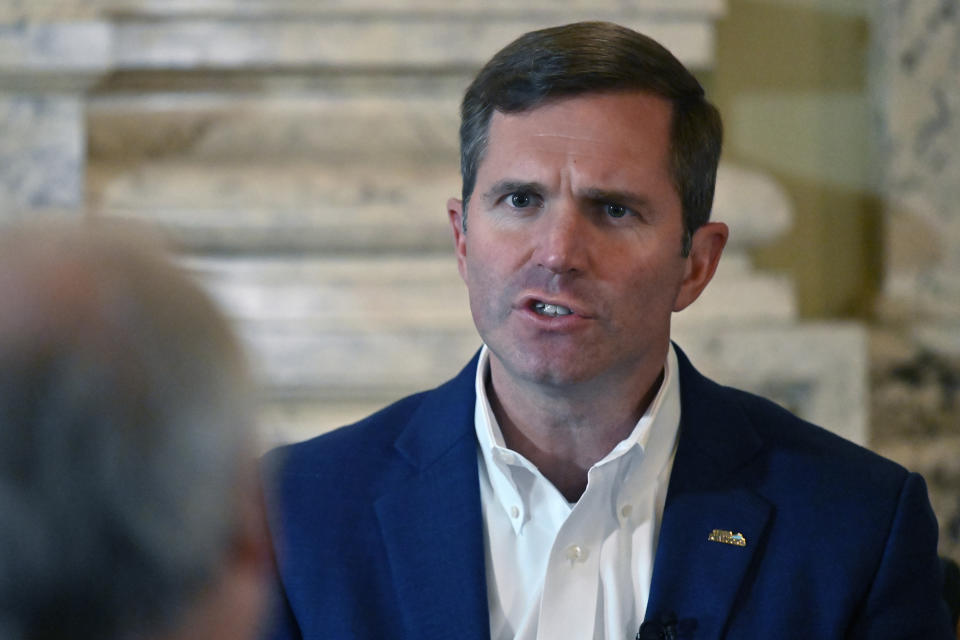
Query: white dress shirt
(583, 570)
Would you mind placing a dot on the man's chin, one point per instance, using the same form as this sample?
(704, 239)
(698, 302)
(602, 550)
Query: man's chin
(550, 371)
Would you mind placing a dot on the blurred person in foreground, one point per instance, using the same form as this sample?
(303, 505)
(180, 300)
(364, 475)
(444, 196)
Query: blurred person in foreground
(129, 506)
(579, 479)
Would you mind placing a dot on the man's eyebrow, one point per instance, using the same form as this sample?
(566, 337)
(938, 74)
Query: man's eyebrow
(632, 199)
(509, 186)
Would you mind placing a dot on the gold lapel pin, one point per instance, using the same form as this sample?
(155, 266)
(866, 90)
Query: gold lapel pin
(727, 537)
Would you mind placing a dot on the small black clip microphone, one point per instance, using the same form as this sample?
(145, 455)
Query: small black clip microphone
(663, 627)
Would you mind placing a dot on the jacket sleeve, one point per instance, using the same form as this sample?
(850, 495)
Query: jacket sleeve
(905, 599)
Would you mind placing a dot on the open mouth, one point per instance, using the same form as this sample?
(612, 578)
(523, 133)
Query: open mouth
(550, 310)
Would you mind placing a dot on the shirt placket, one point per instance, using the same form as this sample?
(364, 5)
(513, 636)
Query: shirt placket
(571, 585)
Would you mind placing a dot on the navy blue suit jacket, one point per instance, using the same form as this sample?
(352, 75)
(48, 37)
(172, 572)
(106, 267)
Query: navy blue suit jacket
(379, 534)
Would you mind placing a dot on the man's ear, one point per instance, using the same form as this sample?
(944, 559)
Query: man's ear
(457, 215)
(705, 251)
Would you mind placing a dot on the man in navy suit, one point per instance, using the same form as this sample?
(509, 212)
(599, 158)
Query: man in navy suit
(579, 478)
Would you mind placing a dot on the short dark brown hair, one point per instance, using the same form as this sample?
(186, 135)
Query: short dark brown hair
(592, 57)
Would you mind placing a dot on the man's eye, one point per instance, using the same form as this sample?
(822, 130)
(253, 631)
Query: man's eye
(520, 200)
(615, 210)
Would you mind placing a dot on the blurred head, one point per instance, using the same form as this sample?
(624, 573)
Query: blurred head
(598, 57)
(126, 475)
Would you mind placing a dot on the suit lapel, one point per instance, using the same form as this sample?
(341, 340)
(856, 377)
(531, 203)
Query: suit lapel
(432, 524)
(697, 579)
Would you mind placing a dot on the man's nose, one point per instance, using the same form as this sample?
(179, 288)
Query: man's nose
(564, 239)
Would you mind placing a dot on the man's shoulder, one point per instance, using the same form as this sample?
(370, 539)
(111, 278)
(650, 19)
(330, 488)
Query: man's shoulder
(786, 440)
(784, 430)
(343, 470)
(370, 438)
(418, 424)
(801, 458)
(856, 526)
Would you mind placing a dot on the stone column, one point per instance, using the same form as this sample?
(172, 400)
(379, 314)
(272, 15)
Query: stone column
(915, 81)
(917, 103)
(45, 69)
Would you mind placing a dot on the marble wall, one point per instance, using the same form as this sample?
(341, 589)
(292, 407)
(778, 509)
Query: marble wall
(300, 154)
(915, 84)
(917, 101)
(44, 71)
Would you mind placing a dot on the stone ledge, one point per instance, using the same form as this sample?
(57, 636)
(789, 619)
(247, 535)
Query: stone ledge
(55, 56)
(364, 43)
(294, 361)
(284, 206)
(258, 8)
(383, 128)
(359, 293)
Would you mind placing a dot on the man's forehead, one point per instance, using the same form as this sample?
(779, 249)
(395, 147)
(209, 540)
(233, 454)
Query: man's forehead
(589, 116)
(620, 126)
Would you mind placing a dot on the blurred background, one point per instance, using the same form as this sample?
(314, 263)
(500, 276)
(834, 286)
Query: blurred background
(299, 153)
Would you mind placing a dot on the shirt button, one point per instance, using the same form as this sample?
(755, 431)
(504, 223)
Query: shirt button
(576, 553)
(514, 512)
(625, 511)
(505, 456)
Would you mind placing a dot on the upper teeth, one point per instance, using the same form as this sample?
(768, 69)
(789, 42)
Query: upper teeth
(551, 309)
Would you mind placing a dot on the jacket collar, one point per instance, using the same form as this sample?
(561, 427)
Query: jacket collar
(443, 419)
(433, 527)
(432, 523)
(695, 578)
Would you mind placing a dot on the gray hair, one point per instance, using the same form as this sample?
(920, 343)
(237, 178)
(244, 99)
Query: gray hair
(124, 431)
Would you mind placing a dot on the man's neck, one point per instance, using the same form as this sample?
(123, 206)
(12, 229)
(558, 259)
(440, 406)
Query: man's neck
(565, 432)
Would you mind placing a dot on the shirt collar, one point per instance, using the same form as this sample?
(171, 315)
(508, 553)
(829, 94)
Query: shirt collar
(650, 444)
